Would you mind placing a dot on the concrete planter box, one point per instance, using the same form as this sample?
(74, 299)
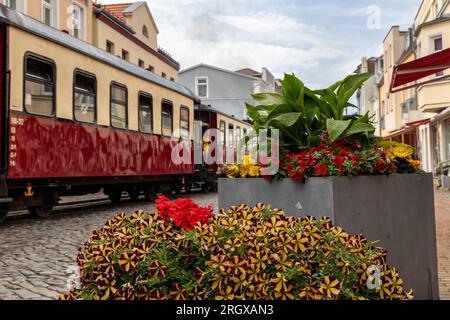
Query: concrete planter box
(398, 210)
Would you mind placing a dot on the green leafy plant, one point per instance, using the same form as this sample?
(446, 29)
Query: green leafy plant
(302, 115)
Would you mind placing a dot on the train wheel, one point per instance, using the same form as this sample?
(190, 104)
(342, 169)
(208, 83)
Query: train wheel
(150, 195)
(3, 216)
(41, 212)
(115, 196)
(134, 195)
(3, 212)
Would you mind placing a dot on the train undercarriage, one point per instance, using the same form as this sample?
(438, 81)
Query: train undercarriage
(40, 196)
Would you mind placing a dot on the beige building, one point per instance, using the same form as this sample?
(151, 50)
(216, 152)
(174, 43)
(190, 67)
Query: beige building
(417, 114)
(433, 34)
(126, 30)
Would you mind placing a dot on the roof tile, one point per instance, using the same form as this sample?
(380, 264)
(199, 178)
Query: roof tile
(117, 10)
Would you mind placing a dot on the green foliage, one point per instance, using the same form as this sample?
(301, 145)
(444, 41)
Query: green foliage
(303, 115)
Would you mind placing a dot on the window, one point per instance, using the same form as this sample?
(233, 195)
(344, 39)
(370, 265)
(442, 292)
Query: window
(84, 97)
(125, 55)
(109, 46)
(145, 31)
(78, 21)
(166, 118)
(141, 63)
(164, 75)
(222, 136)
(16, 5)
(39, 88)
(201, 87)
(172, 79)
(119, 106)
(238, 134)
(231, 136)
(145, 113)
(49, 12)
(184, 122)
(438, 45)
(151, 68)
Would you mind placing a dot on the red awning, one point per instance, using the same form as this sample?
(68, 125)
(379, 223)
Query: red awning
(420, 68)
(418, 122)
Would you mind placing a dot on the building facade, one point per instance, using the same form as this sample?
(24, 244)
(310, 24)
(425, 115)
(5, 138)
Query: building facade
(225, 90)
(432, 35)
(126, 30)
(368, 95)
(417, 114)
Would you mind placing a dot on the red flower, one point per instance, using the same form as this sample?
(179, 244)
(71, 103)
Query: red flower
(298, 175)
(321, 170)
(303, 165)
(311, 160)
(289, 168)
(338, 161)
(380, 166)
(184, 213)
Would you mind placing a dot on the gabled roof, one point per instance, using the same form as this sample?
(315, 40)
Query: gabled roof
(218, 69)
(121, 10)
(249, 72)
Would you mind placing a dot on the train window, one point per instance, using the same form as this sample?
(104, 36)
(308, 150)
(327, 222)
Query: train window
(39, 95)
(222, 136)
(166, 118)
(145, 113)
(119, 106)
(84, 97)
(184, 122)
(231, 136)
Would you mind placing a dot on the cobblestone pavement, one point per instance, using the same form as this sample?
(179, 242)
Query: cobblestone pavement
(35, 254)
(443, 241)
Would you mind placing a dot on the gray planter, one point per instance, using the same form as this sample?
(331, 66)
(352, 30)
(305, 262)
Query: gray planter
(398, 210)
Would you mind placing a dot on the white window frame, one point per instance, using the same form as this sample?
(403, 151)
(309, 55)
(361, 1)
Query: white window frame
(83, 23)
(204, 84)
(432, 39)
(54, 7)
(433, 49)
(21, 5)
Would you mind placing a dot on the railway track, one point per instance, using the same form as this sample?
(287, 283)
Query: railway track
(66, 207)
(62, 208)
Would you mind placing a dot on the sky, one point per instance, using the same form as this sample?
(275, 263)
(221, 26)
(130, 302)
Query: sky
(321, 41)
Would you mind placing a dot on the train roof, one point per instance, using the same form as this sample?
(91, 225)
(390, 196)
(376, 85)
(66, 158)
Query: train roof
(204, 107)
(24, 22)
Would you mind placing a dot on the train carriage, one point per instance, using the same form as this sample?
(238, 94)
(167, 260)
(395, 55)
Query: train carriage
(75, 119)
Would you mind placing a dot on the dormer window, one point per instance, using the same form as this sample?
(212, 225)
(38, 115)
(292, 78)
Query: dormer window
(145, 31)
(16, 5)
(49, 12)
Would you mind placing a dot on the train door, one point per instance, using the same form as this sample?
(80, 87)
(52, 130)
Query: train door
(3, 95)
(4, 85)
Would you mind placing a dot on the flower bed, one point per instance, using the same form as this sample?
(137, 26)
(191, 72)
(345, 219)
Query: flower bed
(244, 253)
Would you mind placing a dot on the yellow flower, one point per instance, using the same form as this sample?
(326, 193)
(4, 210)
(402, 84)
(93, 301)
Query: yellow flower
(247, 159)
(253, 171)
(415, 164)
(401, 151)
(232, 171)
(243, 171)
